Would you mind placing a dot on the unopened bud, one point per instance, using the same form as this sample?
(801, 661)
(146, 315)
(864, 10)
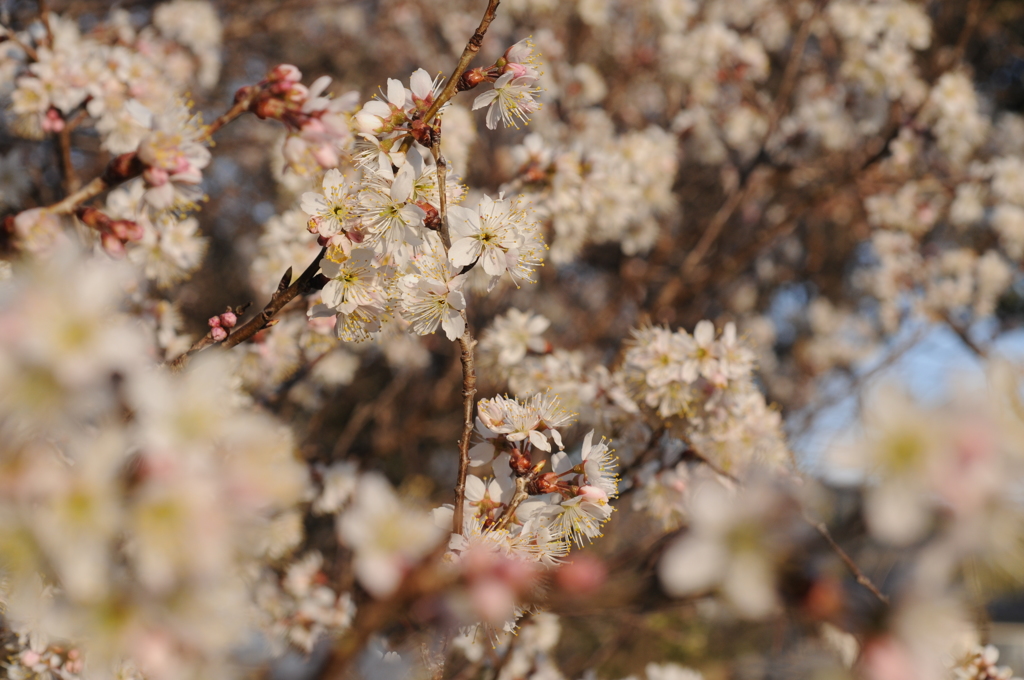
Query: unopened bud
(112, 245)
(471, 79)
(268, 107)
(127, 230)
(53, 121)
(123, 168)
(546, 483)
(214, 321)
(93, 218)
(156, 177)
(218, 334)
(594, 494)
(285, 72)
(228, 319)
(519, 462)
(432, 219)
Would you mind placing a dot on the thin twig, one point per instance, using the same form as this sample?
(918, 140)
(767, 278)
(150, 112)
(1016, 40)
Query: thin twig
(281, 297)
(472, 47)
(974, 12)
(90, 191)
(365, 411)
(510, 510)
(29, 51)
(240, 107)
(862, 579)
(44, 15)
(375, 614)
(67, 168)
(302, 285)
(965, 337)
(466, 343)
(442, 190)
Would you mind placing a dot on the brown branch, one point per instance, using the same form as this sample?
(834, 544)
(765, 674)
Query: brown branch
(67, 169)
(466, 343)
(240, 107)
(91, 190)
(281, 297)
(713, 230)
(442, 189)
(29, 51)
(199, 345)
(517, 499)
(44, 15)
(472, 47)
(964, 336)
(974, 12)
(862, 579)
(367, 410)
(738, 194)
(302, 285)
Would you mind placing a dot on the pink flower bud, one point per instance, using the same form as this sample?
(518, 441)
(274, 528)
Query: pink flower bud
(285, 72)
(268, 107)
(52, 121)
(218, 334)
(518, 70)
(155, 177)
(326, 156)
(296, 94)
(594, 494)
(228, 319)
(214, 322)
(30, 658)
(126, 230)
(112, 245)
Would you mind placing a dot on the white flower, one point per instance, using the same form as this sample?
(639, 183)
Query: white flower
(498, 234)
(392, 222)
(511, 100)
(330, 209)
(434, 296)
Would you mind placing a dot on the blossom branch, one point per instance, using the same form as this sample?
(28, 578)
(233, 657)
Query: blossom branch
(281, 297)
(518, 497)
(739, 193)
(44, 16)
(128, 166)
(859, 575)
(472, 47)
(442, 192)
(29, 51)
(302, 285)
(466, 343)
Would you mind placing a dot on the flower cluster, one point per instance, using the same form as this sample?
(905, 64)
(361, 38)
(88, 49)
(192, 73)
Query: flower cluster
(135, 491)
(704, 385)
(595, 186)
(112, 80)
(318, 126)
(523, 518)
(384, 260)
